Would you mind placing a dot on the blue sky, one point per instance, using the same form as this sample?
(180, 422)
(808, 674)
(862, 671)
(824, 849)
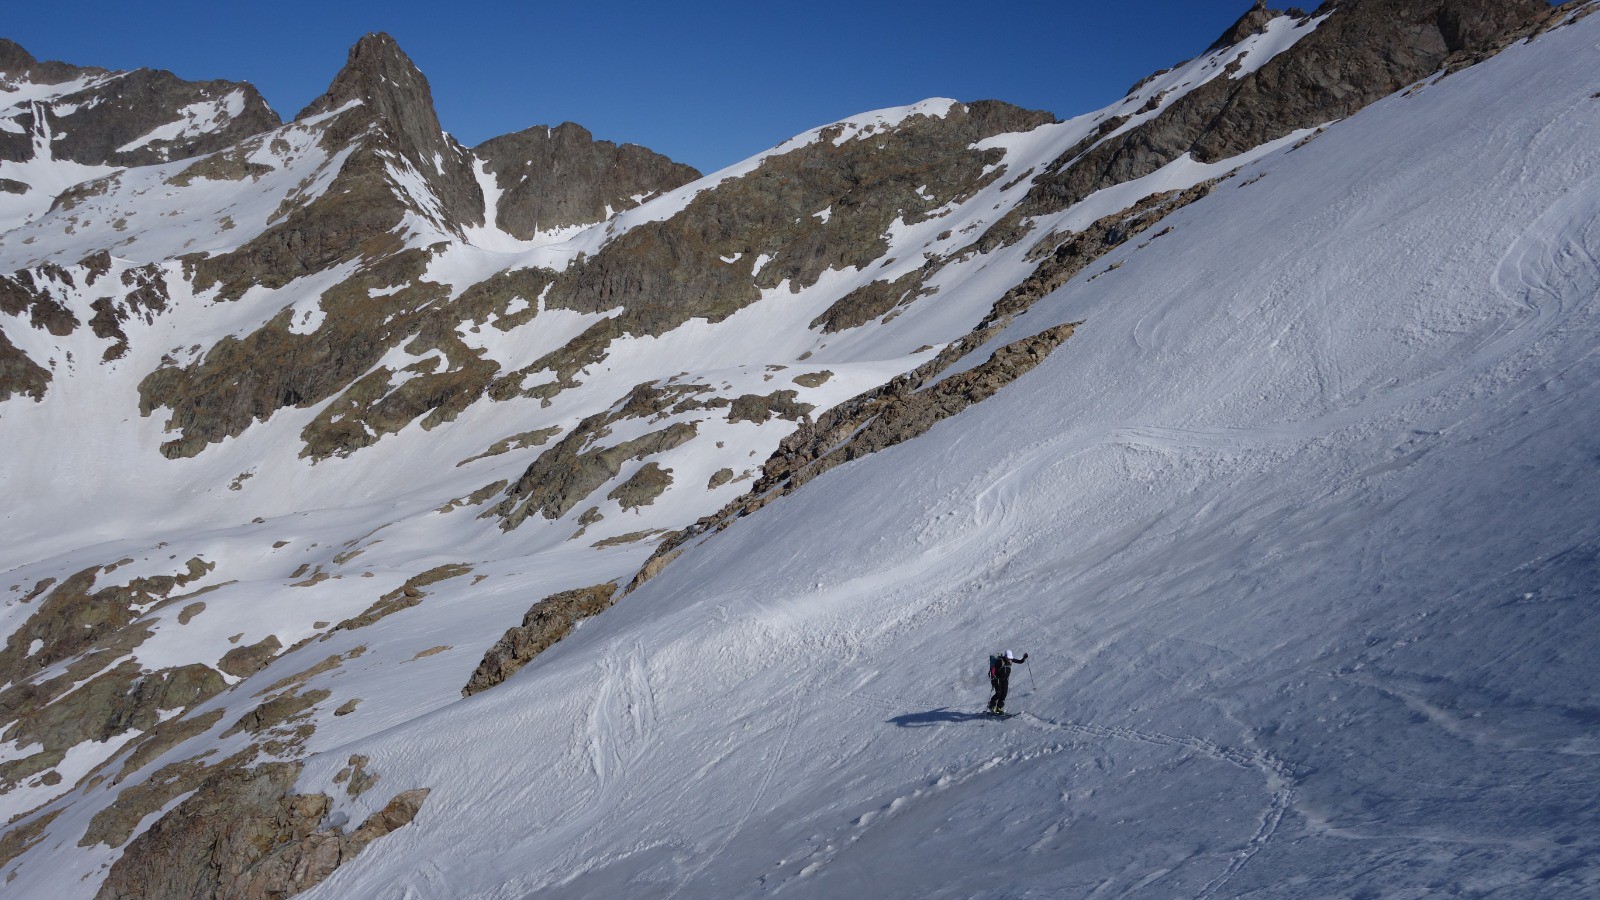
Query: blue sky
(707, 83)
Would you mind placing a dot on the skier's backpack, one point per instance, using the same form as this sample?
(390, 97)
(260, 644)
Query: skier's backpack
(994, 666)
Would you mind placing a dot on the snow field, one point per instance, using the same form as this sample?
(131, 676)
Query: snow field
(1310, 599)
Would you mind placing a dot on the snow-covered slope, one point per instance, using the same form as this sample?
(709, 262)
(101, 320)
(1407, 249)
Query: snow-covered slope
(297, 488)
(1311, 600)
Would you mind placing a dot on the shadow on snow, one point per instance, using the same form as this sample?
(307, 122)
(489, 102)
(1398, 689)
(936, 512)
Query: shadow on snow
(941, 716)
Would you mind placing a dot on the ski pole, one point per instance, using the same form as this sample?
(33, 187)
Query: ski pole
(1035, 684)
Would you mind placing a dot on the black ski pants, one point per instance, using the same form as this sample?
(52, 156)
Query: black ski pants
(998, 701)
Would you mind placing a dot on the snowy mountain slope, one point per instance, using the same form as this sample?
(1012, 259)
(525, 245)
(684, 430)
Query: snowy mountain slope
(1312, 619)
(363, 402)
(61, 125)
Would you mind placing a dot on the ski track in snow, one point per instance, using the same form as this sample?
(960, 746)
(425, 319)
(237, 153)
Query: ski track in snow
(1277, 774)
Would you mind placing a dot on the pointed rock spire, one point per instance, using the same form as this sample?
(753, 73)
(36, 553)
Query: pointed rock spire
(380, 74)
(395, 96)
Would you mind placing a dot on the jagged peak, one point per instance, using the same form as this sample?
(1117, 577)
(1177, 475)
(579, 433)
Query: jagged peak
(377, 72)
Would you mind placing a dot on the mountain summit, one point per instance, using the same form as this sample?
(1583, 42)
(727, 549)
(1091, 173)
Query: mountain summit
(387, 516)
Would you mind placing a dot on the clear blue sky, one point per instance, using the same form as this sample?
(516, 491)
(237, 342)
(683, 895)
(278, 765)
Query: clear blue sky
(706, 82)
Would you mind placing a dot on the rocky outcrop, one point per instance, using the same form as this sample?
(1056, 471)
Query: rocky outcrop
(243, 380)
(550, 620)
(74, 617)
(901, 410)
(1060, 257)
(19, 374)
(554, 178)
(1365, 51)
(27, 292)
(99, 692)
(405, 596)
(565, 474)
(385, 113)
(244, 835)
(1253, 22)
(642, 488)
(654, 278)
(701, 263)
(576, 466)
(242, 662)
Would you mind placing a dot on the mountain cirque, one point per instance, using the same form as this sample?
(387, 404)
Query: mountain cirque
(345, 400)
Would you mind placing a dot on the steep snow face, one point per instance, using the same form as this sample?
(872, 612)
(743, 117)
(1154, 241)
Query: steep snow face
(1310, 599)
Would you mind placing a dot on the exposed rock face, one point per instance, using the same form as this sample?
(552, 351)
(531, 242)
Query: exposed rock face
(405, 596)
(388, 118)
(380, 76)
(242, 662)
(557, 177)
(642, 489)
(243, 835)
(566, 474)
(19, 374)
(550, 620)
(126, 118)
(1366, 50)
(14, 59)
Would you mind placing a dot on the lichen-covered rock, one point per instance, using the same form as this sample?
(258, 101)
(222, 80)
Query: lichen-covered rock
(403, 597)
(242, 662)
(550, 620)
(243, 835)
(568, 472)
(643, 487)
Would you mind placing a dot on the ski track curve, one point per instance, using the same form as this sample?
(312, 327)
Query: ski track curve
(1277, 773)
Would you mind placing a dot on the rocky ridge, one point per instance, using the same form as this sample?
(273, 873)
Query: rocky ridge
(95, 118)
(555, 178)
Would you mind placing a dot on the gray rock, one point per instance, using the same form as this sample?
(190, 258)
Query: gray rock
(556, 177)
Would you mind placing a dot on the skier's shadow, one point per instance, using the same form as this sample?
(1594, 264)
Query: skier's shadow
(941, 716)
